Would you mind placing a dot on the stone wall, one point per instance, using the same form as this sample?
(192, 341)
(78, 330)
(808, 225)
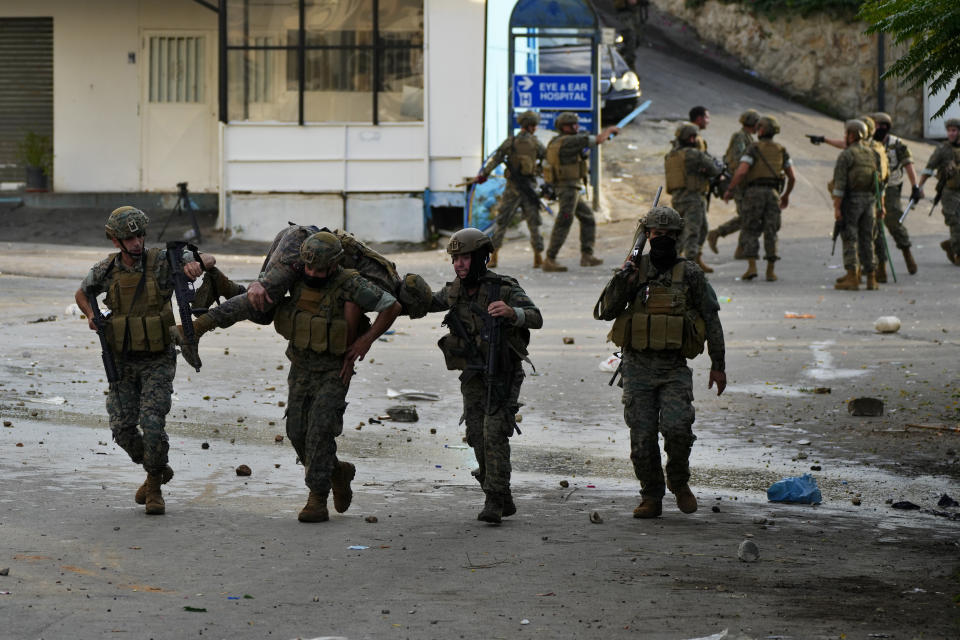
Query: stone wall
(824, 61)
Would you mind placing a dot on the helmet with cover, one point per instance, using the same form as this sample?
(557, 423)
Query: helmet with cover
(126, 222)
(882, 118)
(685, 130)
(567, 117)
(871, 124)
(749, 117)
(528, 118)
(952, 122)
(769, 125)
(665, 218)
(856, 127)
(321, 250)
(468, 240)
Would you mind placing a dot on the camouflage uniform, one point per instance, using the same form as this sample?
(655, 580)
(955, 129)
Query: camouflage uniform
(317, 395)
(858, 211)
(760, 208)
(944, 163)
(740, 141)
(631, 19)
(658, 384)
(899, 156)
(520, 192)
(691, 204)
(488, 432)
(571, 204)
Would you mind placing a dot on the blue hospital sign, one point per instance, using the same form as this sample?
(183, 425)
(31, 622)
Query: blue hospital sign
(549, 91)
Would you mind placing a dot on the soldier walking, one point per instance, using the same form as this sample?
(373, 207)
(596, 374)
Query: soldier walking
(663, 309)
(522, 155)
(689, 172)
(566, 171)
(138, 285)
(323, 320)
(761, 171)
(489, 317)
(631, 14)
(739, 142)
(901, 162)
(945, 161)
(854, 205)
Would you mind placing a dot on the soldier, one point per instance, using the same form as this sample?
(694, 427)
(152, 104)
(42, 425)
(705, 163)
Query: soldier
(566, 171)
(522, 155)
(854, 200)
(324, 322)
(700, 116)
(739, 142)
(483, 306)
(945, 161)
(138, 287)
(664, 309)
(631, 14)
(761, 171)
(900, 161)
(689, 172)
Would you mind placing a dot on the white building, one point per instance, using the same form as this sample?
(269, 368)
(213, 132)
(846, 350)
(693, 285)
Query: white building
(345, 113)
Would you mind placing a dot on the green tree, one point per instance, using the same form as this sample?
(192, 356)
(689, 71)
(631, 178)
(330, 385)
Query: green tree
(931, 28)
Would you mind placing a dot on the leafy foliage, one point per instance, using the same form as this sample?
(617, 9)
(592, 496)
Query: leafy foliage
(932, 30)
(35, 150)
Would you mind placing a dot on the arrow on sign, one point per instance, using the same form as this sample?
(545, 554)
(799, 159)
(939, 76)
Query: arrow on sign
(525, 83)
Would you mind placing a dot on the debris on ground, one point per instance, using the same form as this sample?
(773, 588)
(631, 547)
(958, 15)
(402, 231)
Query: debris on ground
(278, 438)
(610, 364)
(887, 324)
(905, 505)
(564, 484)
(205, 445)
(412, 394)
(802, 490)
(596, 518)
(243, 470)
(45, 319)
(869, 407)
(947, 501)
(567, 339)
(793, 315)
(403, 413)
(371, 519)
(748, 551)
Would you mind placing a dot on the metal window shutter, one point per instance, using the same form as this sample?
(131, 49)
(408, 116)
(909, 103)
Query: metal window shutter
(26, 87)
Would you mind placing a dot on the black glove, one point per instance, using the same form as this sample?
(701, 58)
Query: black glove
(916, 194)
(816, 139)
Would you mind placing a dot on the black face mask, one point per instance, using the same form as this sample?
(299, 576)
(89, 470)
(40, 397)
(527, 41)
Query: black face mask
(663, 252)
(880, 133)
(314, 283)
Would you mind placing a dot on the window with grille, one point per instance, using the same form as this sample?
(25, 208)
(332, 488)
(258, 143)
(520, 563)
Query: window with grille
(177, 72)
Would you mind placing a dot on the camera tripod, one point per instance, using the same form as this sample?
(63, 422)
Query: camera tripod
(184, 205)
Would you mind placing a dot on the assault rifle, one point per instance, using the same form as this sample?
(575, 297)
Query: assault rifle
(491, 335)
(837, 229)
(109, 364)
(183, 289)
(936, 200)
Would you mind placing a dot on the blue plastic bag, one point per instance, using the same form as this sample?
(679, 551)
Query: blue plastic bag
(803, 490)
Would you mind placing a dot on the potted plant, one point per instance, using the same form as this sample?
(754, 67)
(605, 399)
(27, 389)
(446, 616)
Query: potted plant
(36, 154)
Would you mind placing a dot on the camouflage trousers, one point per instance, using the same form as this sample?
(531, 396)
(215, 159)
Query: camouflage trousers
(315, 404)
(514, 198)
(951, 216)
(859, 213)
(733, 224)
(891, 220)
(489, 434)
(142, 397)
(631, 24)
(760, 214)
(692, 207)
(572, 204)
(658, 398)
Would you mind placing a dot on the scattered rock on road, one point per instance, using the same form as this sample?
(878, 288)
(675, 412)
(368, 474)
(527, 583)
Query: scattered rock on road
(243, 470)
(871, 407)
(748, 551)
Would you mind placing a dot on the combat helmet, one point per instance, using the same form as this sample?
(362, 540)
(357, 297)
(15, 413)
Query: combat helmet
(769, 125)
(685, 130)
(665, 218)
(566, 117)
(467, 241)
(882, 118)
(415, 295)
(871, 124)
(857, 127)
(952, 122)
(528, 118)
(749, 117)
(321, 250)
(126, 222)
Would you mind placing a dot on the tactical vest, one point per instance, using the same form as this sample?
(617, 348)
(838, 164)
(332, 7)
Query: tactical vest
(894, 144)
(884, 163)
(660, 317)
(522, 161)
(565, 160)
(862, 168)
(767, 167)
(314, 318)
(140, 313)
(952, 170)
(458, 351)
(678, 178)
(732, 157)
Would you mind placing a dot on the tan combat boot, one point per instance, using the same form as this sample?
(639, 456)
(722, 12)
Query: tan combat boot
(771, 276)
(154, 497)
(550, 265)
(844, 277)
(589, 260)
(849, 282)
(492, 509)
(340, 483)
(908, 258)
(951, 256)
(751, 271)
(492, 262)
(703, 265)
(872, 281)
(537, 259)
(315, 510)
(648, 508)
(165, 476)
(712, 236)
(686, 501)
(880, 274)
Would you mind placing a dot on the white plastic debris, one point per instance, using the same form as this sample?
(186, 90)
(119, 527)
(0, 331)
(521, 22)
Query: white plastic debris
(887, 324)
(412, 394)
(72, 310)
(610, 364)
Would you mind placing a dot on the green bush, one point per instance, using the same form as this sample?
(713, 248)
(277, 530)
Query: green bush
(841, 8)
(35, 150)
